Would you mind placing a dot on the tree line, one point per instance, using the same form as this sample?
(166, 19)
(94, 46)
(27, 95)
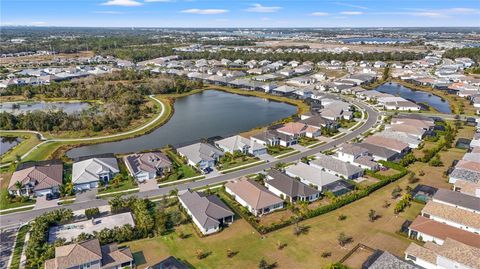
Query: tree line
(472, 53)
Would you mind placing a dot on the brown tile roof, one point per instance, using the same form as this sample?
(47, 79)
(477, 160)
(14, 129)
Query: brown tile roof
(451, 213)
(256, 195)
(112, 256)
(409, 129)
(460, 252)
(43, 176)
(424, 124)
(388, 143)
(75, 254)
(422, 252)
(293, 128)
(467, 187)
(469, 165)
(444, 231)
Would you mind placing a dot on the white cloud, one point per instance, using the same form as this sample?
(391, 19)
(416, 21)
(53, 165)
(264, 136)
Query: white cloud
(350, 5)
(352, 12)
(38, 23)
(204, 11)
(108, 12)
(160, 1)
(124, 3)
(434, 13)
(262, 9)
(319, 14)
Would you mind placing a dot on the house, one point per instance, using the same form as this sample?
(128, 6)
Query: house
(457, 200)
(451, 254)
(350, 152)
(208, 212)
(298, 129)
(241, 144)
(336, 167)
(169, 263)
(428, 230)
(89, 254)
(255, 197)
(288, 188)
(146, 166)
(380, 153)
(311, 176)
(466, 171)
(266, 138)
(36, 178)
(319, 122)
(385, 260)
(412, 141)
(89, 171)
(452, 216)
(388, 143)
(201, 155)
(467, 187)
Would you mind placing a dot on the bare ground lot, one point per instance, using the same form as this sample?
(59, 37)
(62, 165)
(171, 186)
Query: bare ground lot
(37, 58)
(359, 48)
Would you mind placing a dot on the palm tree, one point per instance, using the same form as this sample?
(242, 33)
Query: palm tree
(18, 186)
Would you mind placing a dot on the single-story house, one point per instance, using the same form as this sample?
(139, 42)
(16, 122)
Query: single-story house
(201, 155)
(89, 254)
(289, 188)
(241, 144)
(457, 200)
(255, 197)
(310, 175)
(298, 129)
(453, 216)
(266, 138)
(149, 165)
(208, 212)
(37, 178)
(383, 259)
(86, 173)
(388, 143)
(336, 167)
(380, 153)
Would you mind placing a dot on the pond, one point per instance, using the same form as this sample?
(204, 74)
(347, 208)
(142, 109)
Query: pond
(203, 115)
(374, 40)
(8, 142)
(440, 104)
(24, 107)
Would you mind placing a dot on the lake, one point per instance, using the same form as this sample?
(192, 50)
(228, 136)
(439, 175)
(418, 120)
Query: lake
(24, 107)
(202, 115)
(8, 142)
(434, 101)
(374, 40)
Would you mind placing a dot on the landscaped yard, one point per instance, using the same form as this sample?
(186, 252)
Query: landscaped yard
(236, 161)
(301, 251)
(4, 202)
(181, 170)
(123, 185)
(278, 150)
(307, 141)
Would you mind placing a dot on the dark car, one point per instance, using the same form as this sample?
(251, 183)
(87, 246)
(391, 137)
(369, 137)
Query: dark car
(52, 196)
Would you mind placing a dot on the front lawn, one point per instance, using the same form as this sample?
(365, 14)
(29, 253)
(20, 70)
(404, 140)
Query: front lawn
(278, 150)
(180, 169)
(123, 185)
(228, 162)
(307, 141)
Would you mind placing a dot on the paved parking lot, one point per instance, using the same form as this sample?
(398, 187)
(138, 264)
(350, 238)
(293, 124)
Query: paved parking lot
(86, 195)
(148, 185)
(42, 202)
(7, 241)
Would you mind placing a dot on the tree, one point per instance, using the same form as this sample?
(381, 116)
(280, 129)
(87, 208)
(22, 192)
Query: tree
(18, 186)
(372, 215)
(343, 239)
(396, 192)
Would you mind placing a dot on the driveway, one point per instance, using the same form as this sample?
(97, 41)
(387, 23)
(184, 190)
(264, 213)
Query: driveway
(86, 195)
(214, 173)
(7, 237)
(299, 147)
(42, 202)
(148, 185)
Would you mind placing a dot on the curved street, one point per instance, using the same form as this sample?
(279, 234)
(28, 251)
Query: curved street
(14, 219)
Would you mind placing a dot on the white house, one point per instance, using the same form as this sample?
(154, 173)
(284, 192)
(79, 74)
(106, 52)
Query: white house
(87, 173)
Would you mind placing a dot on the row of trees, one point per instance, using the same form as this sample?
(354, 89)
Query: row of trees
(472, 53)
(314, 57)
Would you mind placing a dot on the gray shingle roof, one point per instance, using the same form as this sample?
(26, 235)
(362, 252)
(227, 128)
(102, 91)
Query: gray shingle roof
(386, 260)
(289, 186)
(200, 151)
(378, 151)
(465, 174)
(340, 167)
(457, 198)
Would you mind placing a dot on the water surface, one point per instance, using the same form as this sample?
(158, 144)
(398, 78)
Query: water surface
(203, 115)
(434, 101)
(24, 107)
(8, 142)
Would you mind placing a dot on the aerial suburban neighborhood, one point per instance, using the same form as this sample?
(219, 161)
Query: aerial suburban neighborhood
(200, 144)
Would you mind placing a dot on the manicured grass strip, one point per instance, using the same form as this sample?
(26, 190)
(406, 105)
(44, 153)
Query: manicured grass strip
(19, 245)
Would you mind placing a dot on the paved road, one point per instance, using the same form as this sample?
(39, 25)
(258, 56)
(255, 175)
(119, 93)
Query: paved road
(7, 241)
(25, 216)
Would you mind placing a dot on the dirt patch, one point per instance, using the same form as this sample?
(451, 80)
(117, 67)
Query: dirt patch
(354, 47)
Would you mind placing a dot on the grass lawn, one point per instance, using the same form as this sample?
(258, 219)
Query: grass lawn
(347, 124)
(302, 251)
(182, 170)
(278, 150)
(19, 244)
(28, 142)
(238, 162)
(4, 203)
(307, 141)
(124, 185)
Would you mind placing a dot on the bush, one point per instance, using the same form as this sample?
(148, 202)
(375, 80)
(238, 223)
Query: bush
(91, 213)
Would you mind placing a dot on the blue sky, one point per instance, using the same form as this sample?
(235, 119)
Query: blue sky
(241, 13)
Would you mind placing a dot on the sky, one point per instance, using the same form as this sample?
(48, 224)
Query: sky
(241, 13)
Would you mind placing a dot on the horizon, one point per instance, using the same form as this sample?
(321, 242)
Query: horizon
(240, 14)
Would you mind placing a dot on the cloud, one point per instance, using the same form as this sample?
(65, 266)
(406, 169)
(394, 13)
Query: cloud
(434, 13)
(123, 3)
(262, 9)
(204, 11)
(38, 23)
(319, 14)
(108, 12)
(159, 1)
(352, 12)
(350, 5)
